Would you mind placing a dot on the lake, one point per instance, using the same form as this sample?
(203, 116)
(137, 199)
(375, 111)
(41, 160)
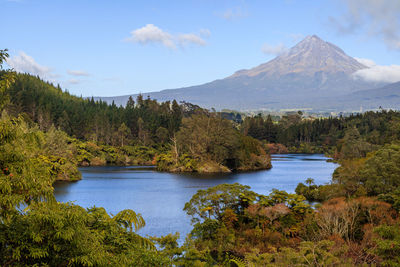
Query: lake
(160, 197)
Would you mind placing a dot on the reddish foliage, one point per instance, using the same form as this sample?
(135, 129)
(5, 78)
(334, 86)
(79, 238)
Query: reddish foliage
(277, 149)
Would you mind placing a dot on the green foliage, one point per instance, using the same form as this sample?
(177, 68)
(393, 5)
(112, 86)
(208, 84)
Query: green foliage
(353, 146)
(236, 227)
(170, 248)
(56, 234)
(165, 161)
(24, 176)
(65, 234)
(393, 198)
(381, 172)
(320, 193)
(86, 119)
(212, 203)
(89, 153)
(238, 262)
(229, 218)
(123, 133)
(7, 78)
(350, 137)
(376, 174)
(162, 134)
(47, 233)
(208, 138)
(208, 143)
(308, 254)
(388, 244)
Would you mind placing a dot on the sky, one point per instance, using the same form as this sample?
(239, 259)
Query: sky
(110, 48)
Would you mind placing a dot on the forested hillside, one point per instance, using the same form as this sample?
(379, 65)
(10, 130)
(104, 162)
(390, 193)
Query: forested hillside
(325, 134)
(86, 119)
(142, 132)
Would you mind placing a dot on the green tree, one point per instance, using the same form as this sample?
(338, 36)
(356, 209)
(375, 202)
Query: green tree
(7, 77)
(208, 138)
(63, 234)
(24, 176)
(162, 134)
(213, 202)
(388, 244)
(123, 133)
(354, 145)
(381, 172)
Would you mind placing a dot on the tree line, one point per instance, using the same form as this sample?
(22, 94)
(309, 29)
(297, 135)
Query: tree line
(376, 128)
(146, 121)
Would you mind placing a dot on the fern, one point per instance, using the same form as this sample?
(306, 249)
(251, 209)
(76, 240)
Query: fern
(238, 262)
(127, 218)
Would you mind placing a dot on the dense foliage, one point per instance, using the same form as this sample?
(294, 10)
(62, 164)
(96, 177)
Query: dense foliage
(356, 134)
(142, 132)
(145, 121)
(209, 143)
(234, 226)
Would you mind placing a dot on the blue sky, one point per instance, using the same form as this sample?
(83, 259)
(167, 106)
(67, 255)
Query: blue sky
(107, 48)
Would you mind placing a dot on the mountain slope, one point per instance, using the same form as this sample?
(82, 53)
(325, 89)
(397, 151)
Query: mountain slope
(387, 97)
(310, 56)
(313, 69)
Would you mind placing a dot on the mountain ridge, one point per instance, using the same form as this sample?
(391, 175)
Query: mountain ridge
(292, 60)
(310, 71)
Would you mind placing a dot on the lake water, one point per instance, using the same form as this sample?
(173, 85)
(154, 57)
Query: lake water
(160, 197)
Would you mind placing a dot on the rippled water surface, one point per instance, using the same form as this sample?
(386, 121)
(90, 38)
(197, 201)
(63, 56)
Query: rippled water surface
(160, 197)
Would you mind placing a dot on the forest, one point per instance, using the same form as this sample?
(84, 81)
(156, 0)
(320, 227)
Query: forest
(46, 133)
(139, 133)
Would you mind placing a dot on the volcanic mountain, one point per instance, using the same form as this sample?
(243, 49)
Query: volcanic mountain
(310, 72)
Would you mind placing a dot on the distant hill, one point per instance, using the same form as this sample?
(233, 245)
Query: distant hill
(387, 97)
(312, 74)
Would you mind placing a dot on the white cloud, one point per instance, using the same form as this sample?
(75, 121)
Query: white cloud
(377, 73)
(152, 34)
(379, 18)
(205, 32)
(366, 62)
(78, 73)
(234, 13)
(274, 49)
(27, 64)
(73, 81)
(187, 38)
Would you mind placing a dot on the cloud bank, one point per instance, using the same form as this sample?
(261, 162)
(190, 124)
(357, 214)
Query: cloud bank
(190, 38)
(27, 64)
(73, 81)
(366, 62)
(153, 34)
(378, 18)
(377, 73)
